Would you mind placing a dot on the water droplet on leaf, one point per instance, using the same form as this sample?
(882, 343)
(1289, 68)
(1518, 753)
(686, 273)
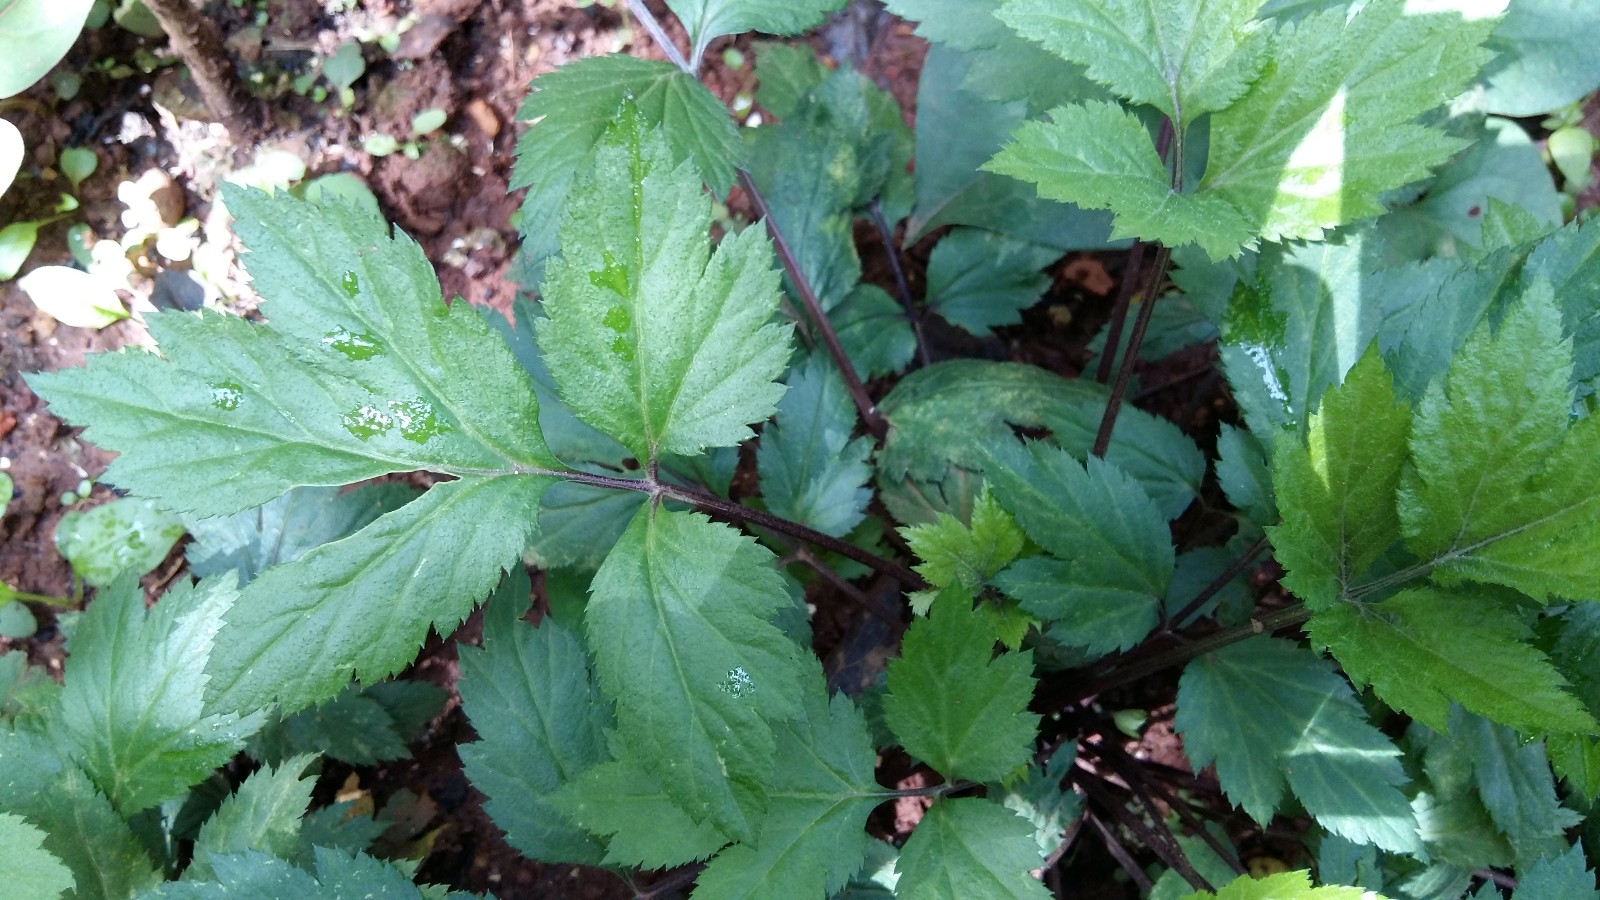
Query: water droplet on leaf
(617, 319)
(738, 683)
(352, 344)
(416, 420)
(366, 422)
(226, 395)
(613, 275)
(352, 284)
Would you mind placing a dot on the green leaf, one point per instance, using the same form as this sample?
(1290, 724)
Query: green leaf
(812, 836)
(785, 74)
(980, 279)
(1337, 492)
(131, 709)
(1283, 886)
(365, 603)
(955, 555)
(1546, 59)
(357, 374)
(1563, 877)
(1111, 548)
(71, 296)
(11, 152)
(955, 705)
(354, 727)
(27, 868)
(255, 874)
(1513, 779)
(650, 341)
(34, 36)
(812, 471)
(1570, 261)
(1184, 57)
(572, 107)
(1326, 128)
(809, 176)
(678, 625)
(540, 721)
(1038, 796)
(123, 535)
(630, 806)
(708, 19)
(1266, 712)
(970, 848)
(263, 814)
(16, 242)
(285, 529)
(1150, 450)
(874, 331)
(1099, 156)
(1500, 490)
(1243, 475)
(1425, 647)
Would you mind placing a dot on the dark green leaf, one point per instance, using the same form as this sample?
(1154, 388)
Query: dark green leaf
(812, 471)
(980, 279)
(970, 848)
(264, 814)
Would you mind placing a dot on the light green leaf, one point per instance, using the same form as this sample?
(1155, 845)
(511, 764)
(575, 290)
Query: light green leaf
(16, 242)
(263, 814)
(1425, 647)
(629, 806)
(1283, 886)
(1099, 156)
(678, 625)
(1569, 260)
(955, 705)
(812, 471)
(1514, 781)
(77, 163)
(540, 722)
(1499, 489)
(1266, 712)
(708, 19)
(1325, 130)
(123, 535)
(980, 279)
(11, 151)
(27, 868)
(1338, 491)
(365, 603)
(1563, 877)
(1112, 550)
(286, 528)
(34, 36)
(970, 848)
(785, 74)
(131, 709)
(70, 296)
(1184, 57)
(572, 107)
(956, 555)
(812, 836)
(650, 341)
(1547, 57)
(255, 874)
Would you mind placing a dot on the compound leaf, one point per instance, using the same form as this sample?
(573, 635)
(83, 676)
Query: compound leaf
(1564, 877)
(252, 873)
(28, 868)
(649, 340)
(1184, 57)
(956, 555)
(644, 826)
(540, 720)
(365, 603)
(1268, 712)
(1326, 128)
(955, 705)
(812, 471)
(970, 848)
(131, 710)
(1282, 886)
(1513, 779)
(1100, 156)
(708, 19)
(1337, 493)
(979, 279)
(1425, 647)
(263, 814)
(678, 625)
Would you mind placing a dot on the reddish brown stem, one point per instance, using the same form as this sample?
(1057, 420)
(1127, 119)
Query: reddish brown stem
(196, 40)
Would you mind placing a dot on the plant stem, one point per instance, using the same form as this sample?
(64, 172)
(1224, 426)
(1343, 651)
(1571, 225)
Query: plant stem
(892, 250)
(659, 35)
(1119, 388)
(1119, 311)
(1220, 582)
(196, 40)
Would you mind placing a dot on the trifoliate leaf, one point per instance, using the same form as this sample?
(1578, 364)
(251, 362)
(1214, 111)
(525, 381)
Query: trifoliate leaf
(1337, 493)
(649, 340)
(286, 528)
(1283, 886)
(1513, 779)
(708, 19)
(263, 814)
(1111, 548)
(955, 555)
(1424, 648)
(1325, 130)
(1184, 57)
(628, 805)
(359, 372)
(955, 705)
(812, 471)
(27, 868)
(970, 848)
(1268, 712)
(812, 836)
(980, 279)
(1563, 877)
(131, 709)
(540, 720)
(364, 604)
(572, 107)
(1499, 489)
(678, 625)
(1099, 156)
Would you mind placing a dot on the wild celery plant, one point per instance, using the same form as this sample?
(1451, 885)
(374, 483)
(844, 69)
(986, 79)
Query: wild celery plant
(1412, 350)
